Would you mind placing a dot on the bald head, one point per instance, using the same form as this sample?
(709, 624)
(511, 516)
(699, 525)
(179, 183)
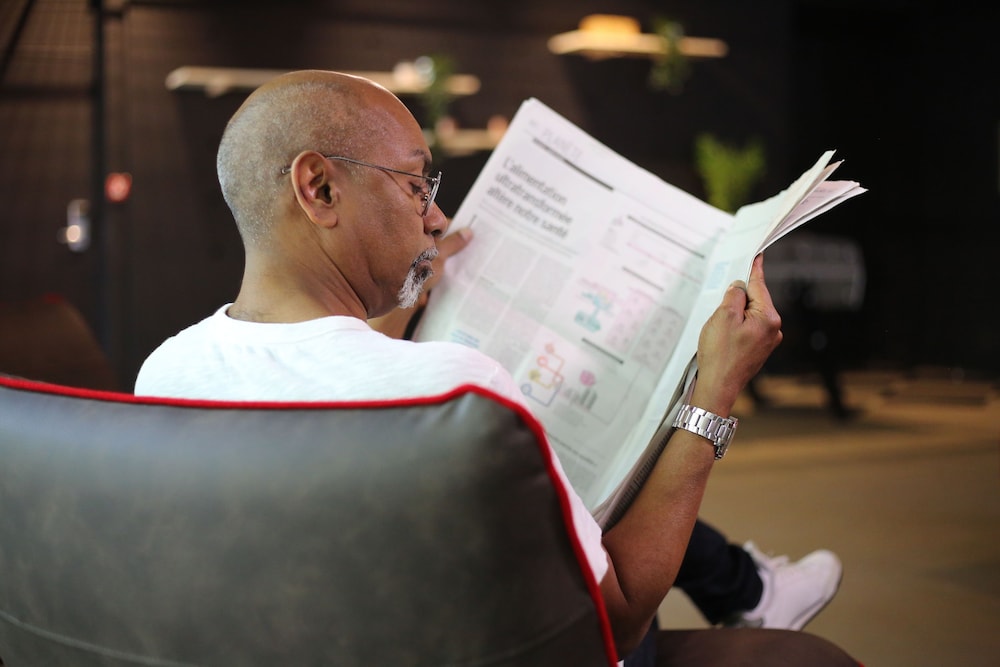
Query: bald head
(316, 110)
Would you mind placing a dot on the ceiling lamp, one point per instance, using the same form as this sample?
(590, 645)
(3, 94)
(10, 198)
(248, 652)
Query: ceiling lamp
(611, 36)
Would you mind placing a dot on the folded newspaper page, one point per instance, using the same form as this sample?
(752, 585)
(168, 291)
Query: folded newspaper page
(589, 279)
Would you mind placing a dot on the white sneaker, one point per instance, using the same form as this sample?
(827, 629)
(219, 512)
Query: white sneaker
(793, 592)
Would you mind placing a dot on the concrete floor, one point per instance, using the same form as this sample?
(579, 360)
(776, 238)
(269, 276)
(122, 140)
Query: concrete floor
(907, 493)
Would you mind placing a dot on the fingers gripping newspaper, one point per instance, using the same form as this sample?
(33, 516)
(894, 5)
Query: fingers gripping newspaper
(589, 279)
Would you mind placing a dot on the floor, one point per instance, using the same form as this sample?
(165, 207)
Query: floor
(907, 493)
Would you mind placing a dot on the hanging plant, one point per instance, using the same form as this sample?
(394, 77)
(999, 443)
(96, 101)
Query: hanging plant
(435, 70)
(671, 69)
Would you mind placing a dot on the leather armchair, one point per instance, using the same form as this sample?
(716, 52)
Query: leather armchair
(164, 532)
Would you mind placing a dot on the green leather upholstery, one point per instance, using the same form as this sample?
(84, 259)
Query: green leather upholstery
(140, 532)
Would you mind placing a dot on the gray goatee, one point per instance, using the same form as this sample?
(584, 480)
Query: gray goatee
(415, 279)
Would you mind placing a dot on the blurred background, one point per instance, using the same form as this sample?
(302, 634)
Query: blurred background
(874, 428)
(108, 132)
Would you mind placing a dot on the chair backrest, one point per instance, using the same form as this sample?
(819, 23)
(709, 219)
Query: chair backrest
(149, 532)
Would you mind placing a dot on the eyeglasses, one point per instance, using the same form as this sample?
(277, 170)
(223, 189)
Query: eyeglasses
(427, 198)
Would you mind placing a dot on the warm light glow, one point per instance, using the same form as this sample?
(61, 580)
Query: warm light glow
(117, 186)
(608, 36)
(496, 127)
(453, 140)
(702, 47)
(406, 78)
(462, 142)
(76, 233)
(610, 23)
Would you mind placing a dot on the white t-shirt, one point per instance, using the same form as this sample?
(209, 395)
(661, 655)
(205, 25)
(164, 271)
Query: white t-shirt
(333, 358)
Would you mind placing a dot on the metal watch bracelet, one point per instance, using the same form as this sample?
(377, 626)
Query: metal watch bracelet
(718, 430)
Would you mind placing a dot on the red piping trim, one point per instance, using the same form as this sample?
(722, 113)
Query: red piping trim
(121, 397)
(593, 586)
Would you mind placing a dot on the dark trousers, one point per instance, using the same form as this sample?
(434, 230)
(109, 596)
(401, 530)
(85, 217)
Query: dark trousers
(720, 578)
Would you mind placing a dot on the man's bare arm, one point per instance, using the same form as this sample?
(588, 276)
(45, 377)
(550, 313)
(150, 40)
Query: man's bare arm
(646, 547)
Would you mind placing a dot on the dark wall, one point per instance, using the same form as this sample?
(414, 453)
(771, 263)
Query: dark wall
(873, 80)
(908, 93)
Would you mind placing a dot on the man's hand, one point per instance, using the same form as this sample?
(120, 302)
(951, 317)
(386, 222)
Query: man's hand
(736, 341)
(447, 247)
(395, 323)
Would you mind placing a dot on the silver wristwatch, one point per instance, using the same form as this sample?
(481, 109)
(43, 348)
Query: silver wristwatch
(718, 430)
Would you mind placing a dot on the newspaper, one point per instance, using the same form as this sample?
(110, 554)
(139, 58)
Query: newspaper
(589, 280)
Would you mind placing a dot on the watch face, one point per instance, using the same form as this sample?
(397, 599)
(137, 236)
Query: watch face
(721, 448)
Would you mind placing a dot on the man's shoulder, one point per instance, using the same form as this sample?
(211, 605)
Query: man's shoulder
(456, 351)
(462, 364)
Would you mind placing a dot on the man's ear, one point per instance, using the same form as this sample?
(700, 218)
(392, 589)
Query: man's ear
(316, 192)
